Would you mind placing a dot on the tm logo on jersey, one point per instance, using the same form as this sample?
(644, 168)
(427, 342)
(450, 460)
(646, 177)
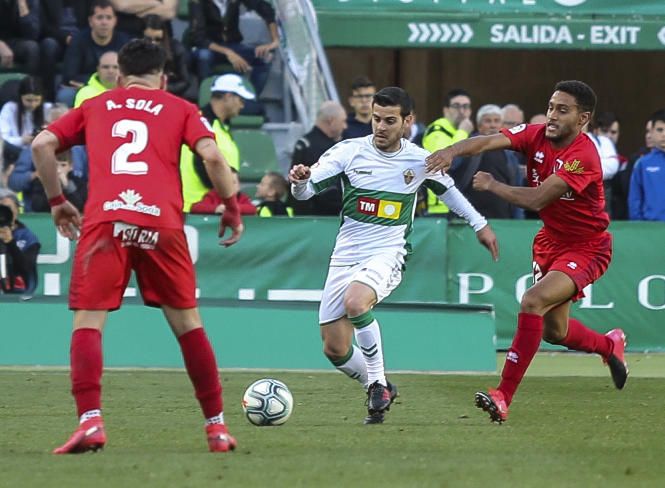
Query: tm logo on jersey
(131, 201)
(386, 209)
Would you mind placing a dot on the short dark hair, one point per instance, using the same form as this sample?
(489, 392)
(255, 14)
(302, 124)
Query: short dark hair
(361, 82)
(99, 4)
(392, 96)
(455, 92)
(604, 120)
(141, 57)
(658, 116)
(278, 183)
(584, 95)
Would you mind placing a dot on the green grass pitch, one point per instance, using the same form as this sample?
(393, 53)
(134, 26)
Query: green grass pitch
(563, 430)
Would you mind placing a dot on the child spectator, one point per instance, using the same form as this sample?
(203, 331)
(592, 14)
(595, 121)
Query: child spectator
(212, 203)
(271, 190)
(74, 188)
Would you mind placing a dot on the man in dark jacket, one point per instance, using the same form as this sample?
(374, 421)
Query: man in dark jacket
(19, 31)
(330, 123)
(216, 35)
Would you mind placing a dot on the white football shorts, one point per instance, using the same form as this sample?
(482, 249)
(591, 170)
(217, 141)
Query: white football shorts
(382, 273)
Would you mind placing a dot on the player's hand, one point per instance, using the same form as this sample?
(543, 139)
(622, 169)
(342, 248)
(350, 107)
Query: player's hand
(67, 219)
(299, 173)
(440, 160)
(487, 238)
(238, 62)
(230, 219)
(482, 181)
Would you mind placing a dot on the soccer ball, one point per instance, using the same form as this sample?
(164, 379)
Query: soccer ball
(267, 402)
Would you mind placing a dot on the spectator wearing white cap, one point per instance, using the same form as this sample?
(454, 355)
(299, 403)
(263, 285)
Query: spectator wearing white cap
(228, 95)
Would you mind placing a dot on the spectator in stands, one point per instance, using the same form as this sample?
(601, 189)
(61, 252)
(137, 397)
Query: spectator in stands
(538, 119)
(271, 190)
(19, 248)
(416, 129)
(132, 14)
(455, 125)
(178, 78)
(229, 93)
(216, 35)
(497, 163)
(646, 198)
(212, 203)
(512, 115)
(359, 123)
(19, 32)
(105, 78)
(327, 131)
(74, 188)
(609, 160)
(20, 118)
(82, 55)
(24, 178)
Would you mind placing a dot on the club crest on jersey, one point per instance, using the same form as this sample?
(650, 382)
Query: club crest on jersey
(575, 167)
(130, 200)
(386, 209)
(409, 175)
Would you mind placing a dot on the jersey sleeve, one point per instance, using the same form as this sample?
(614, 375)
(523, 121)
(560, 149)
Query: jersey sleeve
(580, 169)
(521, 136)
(69, 129)
(196, 127)
(330, 166)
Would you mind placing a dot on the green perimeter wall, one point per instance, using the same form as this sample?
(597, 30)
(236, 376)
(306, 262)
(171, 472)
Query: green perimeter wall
(260, 334)
(286, 259)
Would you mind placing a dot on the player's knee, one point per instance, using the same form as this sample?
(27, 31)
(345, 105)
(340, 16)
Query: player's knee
(334, 351)
(355, 305)
(532, 302)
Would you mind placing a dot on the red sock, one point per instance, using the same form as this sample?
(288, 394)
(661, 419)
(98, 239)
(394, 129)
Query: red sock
(202, 369)
(85, 355)
(525, 345)
(581, 338)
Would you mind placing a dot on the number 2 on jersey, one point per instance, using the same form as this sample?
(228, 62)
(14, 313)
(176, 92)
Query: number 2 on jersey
(119, 160)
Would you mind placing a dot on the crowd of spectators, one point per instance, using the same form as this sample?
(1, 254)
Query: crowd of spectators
(68, 51)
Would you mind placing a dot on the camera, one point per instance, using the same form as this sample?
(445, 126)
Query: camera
(6, 216)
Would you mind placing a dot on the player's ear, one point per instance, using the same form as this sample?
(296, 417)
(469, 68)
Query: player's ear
(121, 80)
(584, 118)
(164, 80)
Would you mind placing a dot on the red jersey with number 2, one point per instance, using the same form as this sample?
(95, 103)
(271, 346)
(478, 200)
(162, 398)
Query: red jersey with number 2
(133, 138)
(580, 212)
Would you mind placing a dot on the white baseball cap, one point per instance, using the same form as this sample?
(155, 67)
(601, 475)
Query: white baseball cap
(234, 84)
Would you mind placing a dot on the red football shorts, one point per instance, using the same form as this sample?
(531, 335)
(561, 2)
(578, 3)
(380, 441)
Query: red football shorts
(584, 261)
(108, 252)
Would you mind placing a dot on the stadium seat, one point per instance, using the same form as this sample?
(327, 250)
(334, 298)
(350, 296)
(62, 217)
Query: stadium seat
(247, 122)
(257, 153)
(204, 87)
(9, 85)
(183, 9)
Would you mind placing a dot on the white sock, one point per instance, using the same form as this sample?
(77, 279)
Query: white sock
(369, 340)
(217, 419)
(355, 367)
(89, 415)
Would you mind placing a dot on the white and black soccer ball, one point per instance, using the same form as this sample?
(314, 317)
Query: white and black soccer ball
(267, 402)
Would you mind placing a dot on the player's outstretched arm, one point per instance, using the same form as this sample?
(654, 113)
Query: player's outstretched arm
(534, 199)
(65, 215)
(442, 159)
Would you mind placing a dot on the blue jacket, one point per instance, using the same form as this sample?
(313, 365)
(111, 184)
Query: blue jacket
(646, 198)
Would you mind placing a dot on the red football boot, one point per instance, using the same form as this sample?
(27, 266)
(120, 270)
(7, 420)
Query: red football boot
(494, 404)
(89, 436)
(219, 439)
(617, 362)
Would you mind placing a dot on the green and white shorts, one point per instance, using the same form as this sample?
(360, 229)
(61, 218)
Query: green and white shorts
(382, 273)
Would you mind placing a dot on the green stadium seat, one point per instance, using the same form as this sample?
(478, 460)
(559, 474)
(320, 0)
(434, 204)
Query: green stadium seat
(257, 153)
(247, 122)
(183, 9)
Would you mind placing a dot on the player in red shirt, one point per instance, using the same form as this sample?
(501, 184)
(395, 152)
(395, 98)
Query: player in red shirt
(571, 251)
(134, 221)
